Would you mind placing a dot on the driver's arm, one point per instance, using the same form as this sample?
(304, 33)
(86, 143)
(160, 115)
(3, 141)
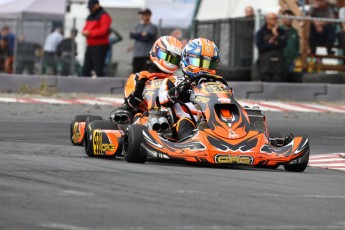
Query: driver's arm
(164, 98)
(134, 88)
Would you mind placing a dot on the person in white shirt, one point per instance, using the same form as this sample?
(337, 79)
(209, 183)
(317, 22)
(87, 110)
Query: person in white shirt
(49, 56)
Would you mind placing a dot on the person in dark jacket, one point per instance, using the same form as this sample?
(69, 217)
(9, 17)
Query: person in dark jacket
(291, 50)
(66, 51)
(26, 56)
(270, 41)
(144, 34)
(10, 38)
(96, 31)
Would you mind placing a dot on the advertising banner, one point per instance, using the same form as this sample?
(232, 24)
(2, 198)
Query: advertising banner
(172, 13)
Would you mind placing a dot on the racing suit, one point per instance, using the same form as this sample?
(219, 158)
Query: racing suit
(185, 125)
(134, 89)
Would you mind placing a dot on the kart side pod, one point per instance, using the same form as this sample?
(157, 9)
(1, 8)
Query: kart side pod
(103, 138)
(107, 142)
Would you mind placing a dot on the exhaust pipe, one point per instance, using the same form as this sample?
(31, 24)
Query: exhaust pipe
(125, 118)
(122, 118)
(155, 124)
(164, 124)
(117, 118)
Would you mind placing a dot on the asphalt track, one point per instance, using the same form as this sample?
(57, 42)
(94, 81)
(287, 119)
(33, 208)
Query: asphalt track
(46, 183)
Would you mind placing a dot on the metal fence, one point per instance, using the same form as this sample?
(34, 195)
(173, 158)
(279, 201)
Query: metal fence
(234, 38)
(30, 36)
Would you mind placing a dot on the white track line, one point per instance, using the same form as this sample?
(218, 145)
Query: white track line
(52, 101)
(328, 161)
(325, 155)
(263, 105)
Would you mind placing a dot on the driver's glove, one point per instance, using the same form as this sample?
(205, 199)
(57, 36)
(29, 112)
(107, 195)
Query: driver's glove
(182, 92)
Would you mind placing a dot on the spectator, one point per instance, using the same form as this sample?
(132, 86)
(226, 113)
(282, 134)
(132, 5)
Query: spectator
(66, 51)
(96, 31)
(341, 33)
(321, 33)
(25, 58)
(245, 33)
(144, 34)
(3, 53)
(10, 39)
(291, 50)
(271, 40)
(49, 51)
(249, 11)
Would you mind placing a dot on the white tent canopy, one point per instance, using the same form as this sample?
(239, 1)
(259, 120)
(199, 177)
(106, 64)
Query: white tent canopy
(33, 9)
(219, 9)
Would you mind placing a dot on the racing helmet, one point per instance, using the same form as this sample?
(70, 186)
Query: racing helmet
(199, 56)
(166, 53)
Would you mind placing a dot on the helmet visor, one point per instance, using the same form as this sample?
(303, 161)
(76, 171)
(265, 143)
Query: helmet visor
(211, 64)
(168, 56)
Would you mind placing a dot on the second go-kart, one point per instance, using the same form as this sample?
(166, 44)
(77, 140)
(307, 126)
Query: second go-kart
(103, 137)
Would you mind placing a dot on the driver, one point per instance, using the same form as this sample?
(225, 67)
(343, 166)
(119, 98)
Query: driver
(199, 56)
(165, 56)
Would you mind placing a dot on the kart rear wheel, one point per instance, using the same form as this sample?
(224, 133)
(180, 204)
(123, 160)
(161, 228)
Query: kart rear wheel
(90, 119)
(88, 141)
(78, 118)
(131, 144)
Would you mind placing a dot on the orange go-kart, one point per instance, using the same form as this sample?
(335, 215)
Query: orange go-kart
(226, 133)
(103, 136)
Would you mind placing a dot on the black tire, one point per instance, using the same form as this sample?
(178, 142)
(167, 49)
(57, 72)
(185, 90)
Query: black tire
(90, 119)
(88, 142)
(301, 164)
(78, 118)
(131, 144)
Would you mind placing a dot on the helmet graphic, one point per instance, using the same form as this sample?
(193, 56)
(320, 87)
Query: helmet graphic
(199, 56)
(166, 53)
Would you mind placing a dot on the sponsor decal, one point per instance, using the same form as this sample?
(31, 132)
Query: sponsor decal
(215, 89)
(98, 147)
(202, 99)
(191, 146)
(157, 84)
(228, 159)
(232, 134)
(97, 142)
(224, 100)
(208, 49)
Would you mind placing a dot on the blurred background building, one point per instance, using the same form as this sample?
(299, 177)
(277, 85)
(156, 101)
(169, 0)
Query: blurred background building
(223, 21)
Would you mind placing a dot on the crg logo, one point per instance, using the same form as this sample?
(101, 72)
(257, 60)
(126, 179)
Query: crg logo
(227, 159)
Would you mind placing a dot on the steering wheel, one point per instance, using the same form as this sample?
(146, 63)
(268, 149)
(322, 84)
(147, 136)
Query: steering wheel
(208, 77)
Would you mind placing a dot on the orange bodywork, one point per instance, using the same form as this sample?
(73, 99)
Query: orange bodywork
(206, 147)
(228, 137)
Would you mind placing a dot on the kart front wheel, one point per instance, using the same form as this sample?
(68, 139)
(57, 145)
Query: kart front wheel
(78, 118)
(299, 164)
(131, 144)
